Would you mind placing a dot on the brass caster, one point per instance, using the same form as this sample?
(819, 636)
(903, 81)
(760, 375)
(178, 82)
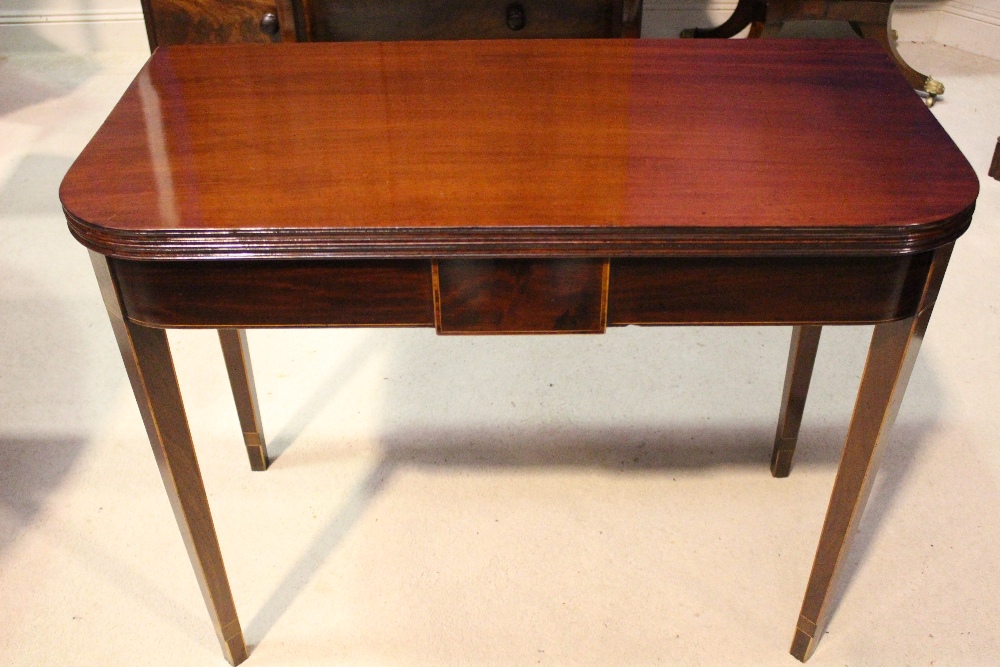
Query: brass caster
(688, 33)
(933, 87)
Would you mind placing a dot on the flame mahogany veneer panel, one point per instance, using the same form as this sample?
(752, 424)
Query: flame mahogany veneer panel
(520, 296)
(207, 21)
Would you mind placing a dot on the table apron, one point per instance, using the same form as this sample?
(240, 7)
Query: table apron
(547, 295)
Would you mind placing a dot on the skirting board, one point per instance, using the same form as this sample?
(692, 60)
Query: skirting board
(971, 28)
(76, 32)
(958, 23)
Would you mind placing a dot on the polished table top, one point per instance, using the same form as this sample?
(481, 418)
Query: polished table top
(514, 148)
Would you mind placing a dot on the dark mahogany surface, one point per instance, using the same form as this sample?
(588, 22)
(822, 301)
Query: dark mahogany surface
(520, 296)
(508, 148)
(765, 290)
(277, 293)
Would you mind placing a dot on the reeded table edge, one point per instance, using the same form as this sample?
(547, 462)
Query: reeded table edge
(410, 243)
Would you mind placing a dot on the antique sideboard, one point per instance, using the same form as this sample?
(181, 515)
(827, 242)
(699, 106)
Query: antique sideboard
(240, 21)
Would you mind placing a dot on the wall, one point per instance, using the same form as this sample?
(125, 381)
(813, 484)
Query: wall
(71, 25)
(94, 25)
(971, 25)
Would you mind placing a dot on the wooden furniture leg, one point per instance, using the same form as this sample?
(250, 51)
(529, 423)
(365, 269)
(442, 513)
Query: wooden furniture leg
(868, 19)
(741, 18)
(880, 33)
(150, 369)
(801, 358)
(891, 357)
(237, 355)
(762, 28)
(631, 19)
(994, 170)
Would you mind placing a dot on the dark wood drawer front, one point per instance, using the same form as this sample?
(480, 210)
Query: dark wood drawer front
(390, 20)
(210, 21)
(481, 296)
(272, 294)
(765, 290)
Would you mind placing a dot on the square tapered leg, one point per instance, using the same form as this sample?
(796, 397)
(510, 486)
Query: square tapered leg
(237, 355)
(801, 358)
(150, 369)
(891, 358)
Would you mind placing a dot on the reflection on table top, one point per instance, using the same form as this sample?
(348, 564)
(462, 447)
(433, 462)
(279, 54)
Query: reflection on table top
(567, 147)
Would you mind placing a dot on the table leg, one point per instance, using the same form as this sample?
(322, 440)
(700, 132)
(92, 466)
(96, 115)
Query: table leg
(150, 369)
(740, 18)
(891, 357)
(994, 170)
(762, 28)
(801, 358)
(880, 33)
(237, 355)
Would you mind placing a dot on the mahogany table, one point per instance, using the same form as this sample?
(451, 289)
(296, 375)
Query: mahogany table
(520, 187)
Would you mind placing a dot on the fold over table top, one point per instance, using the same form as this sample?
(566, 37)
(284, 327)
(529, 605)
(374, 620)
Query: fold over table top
(519, 148)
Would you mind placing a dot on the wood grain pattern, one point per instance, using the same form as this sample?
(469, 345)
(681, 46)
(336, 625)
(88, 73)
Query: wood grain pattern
(231, 294)
(868, 18)
(486, 296)
(878, 30)
(515, 148)
(790, 290)
(209, 21)
(786, 290)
